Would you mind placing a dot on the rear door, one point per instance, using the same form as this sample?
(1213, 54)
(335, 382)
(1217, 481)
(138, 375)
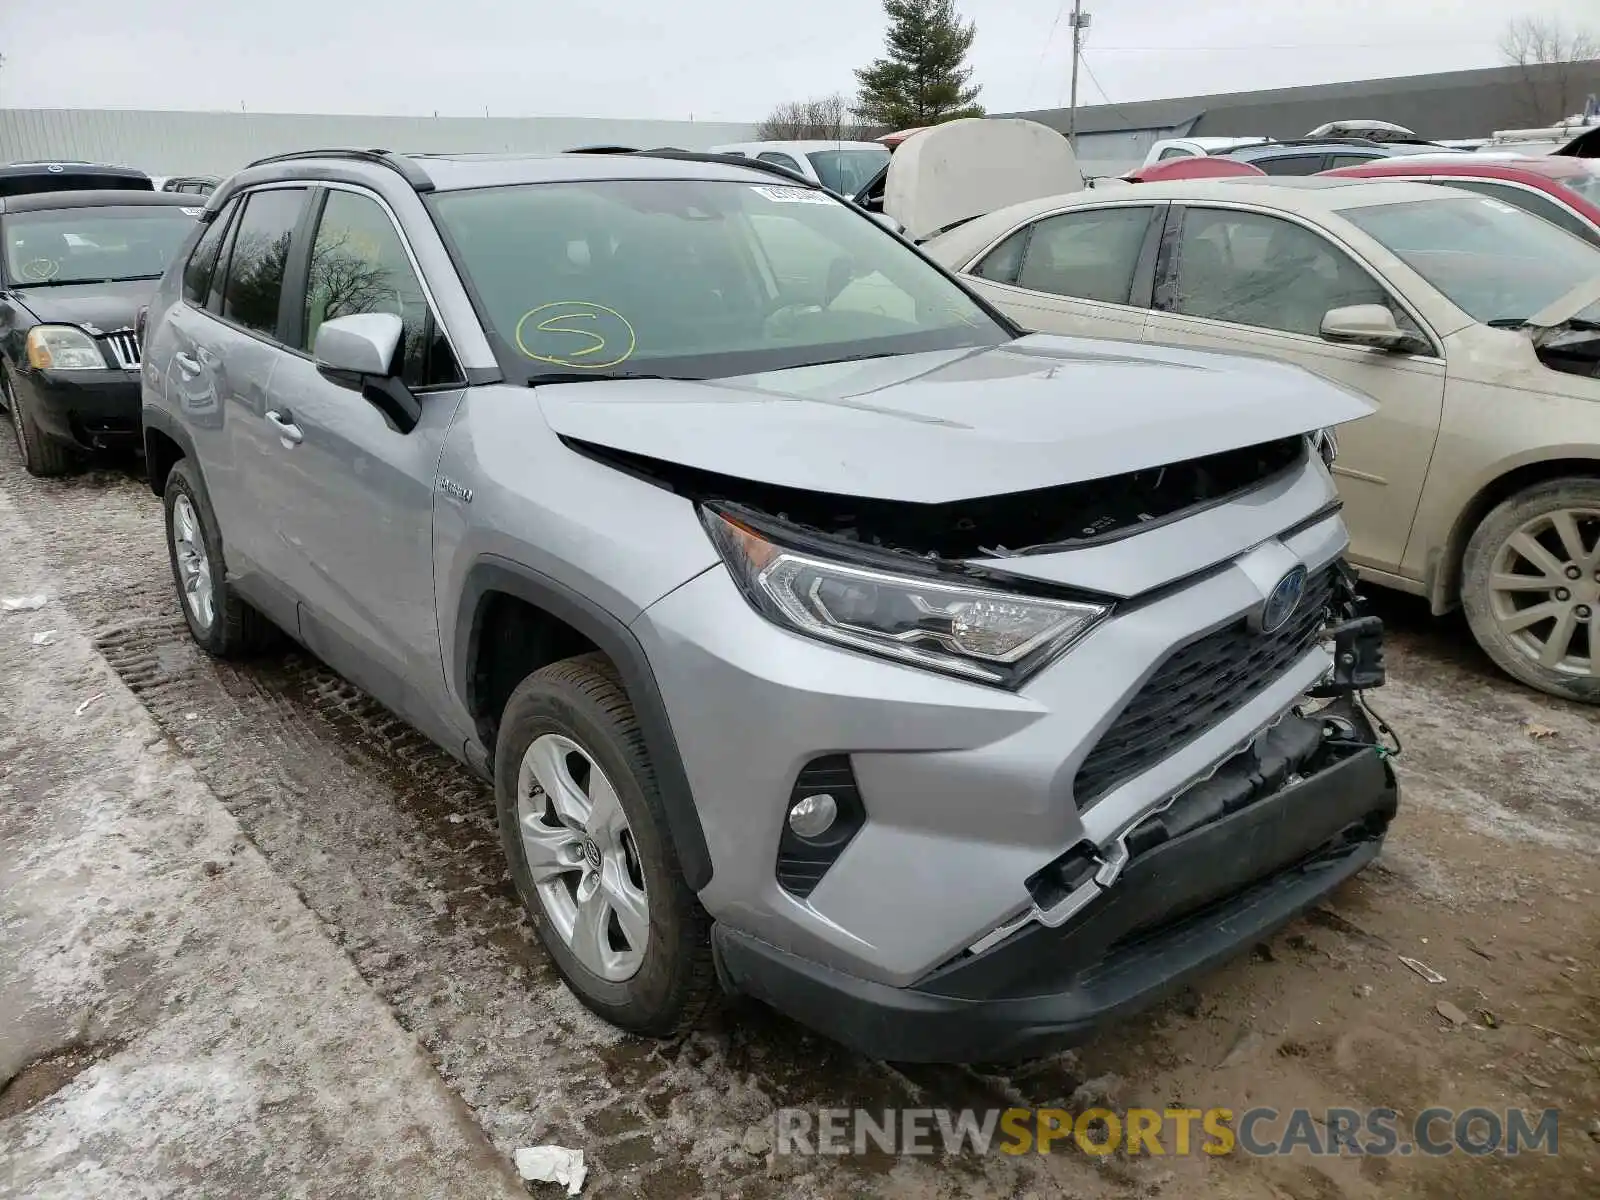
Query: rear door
(351, 495)
(1239, 280)
(1087, 272)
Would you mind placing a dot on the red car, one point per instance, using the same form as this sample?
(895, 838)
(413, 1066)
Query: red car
(1565, 191)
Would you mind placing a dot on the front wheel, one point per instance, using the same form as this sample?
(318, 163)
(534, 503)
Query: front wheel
(1531, 587)
(42, 455)
(586, 837)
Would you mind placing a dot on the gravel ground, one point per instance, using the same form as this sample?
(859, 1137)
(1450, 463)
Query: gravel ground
(1490, 877)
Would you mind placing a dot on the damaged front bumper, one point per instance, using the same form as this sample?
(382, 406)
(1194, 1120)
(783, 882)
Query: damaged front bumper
(1269, 834)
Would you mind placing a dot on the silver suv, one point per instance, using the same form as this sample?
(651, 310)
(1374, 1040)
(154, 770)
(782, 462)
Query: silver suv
(824, 636)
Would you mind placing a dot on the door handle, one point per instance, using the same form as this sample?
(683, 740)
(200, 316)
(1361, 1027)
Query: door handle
(187, 364)
(288, 431)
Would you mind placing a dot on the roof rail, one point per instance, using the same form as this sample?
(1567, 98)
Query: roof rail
(407, 169)
(732, 160)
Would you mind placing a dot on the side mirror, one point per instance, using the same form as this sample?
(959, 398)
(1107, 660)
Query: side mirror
(889, 223)
(357, 351)
(363, 344)
(1369, 325)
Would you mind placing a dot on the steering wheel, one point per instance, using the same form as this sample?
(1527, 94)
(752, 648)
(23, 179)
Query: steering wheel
(40, 269)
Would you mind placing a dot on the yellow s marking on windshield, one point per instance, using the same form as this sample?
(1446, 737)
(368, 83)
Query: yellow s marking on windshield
(610, 337)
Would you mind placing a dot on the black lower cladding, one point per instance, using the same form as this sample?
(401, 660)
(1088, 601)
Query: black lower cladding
(92, 409)
(1199, 685)
(1187, 902)
(803, 861)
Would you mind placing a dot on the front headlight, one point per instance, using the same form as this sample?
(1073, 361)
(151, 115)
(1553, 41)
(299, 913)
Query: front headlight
(63, 348)
(963, 629)
(1327, 445)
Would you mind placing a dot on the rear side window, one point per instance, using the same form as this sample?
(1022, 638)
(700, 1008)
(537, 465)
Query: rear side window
(1175, 152)
(1349, 160)
(1088, 255)
(780, 160)
(254, 286)
(1290, 164)
(202, 262)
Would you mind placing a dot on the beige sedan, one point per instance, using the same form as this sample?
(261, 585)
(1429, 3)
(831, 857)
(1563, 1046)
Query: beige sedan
(1473, 325)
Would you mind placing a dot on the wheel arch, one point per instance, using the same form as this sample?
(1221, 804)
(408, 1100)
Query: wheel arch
(1445, 566)
(165, 442)
(576, 624)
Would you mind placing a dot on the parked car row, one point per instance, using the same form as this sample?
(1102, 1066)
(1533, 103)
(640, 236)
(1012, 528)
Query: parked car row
(743, 543)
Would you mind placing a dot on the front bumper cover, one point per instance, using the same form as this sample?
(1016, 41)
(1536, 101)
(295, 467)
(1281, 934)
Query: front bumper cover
(90, 409)
(1176, 911)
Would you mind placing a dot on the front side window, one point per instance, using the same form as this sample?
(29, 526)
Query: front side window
(254, 285)
(94, 245)
(1088, 255)
(359, 265)
(695, 278)
(1349, 160)
(848, 171)
(197, 272)
(1492, 260)
(1004, 262)
(1263, 271)
(1175, 152)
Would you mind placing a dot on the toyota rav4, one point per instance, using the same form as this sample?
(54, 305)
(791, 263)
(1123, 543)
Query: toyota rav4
(825, 638)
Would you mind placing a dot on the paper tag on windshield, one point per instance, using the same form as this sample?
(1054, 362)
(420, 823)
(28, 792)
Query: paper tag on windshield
(191, 212)
(1497, 205)
(790, 195)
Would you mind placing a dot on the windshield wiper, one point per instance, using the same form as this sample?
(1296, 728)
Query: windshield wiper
(38, 283)
(1580, 323)
(589, 376)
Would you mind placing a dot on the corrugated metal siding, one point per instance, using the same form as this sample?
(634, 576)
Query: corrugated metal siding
(218, 143)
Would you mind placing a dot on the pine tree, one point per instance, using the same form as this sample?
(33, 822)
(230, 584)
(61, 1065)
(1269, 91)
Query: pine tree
(922, 79)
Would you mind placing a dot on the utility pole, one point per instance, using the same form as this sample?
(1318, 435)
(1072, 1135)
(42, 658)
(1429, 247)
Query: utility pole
(1080, 26)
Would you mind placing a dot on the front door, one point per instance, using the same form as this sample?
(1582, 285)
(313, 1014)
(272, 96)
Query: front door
(1248, 281)
(352, 495)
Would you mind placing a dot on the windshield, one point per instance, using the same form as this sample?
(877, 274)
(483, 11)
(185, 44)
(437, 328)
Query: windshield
(848, 171)
(1495, 262)
(695, 279)
(94, 245)
(1586, 185)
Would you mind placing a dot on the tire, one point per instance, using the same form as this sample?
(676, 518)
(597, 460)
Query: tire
(42, 455)
(1545, 519)
(580, 701)
(234, 629)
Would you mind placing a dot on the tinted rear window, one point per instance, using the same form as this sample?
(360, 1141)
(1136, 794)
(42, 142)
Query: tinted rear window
(34, 182)
(260, 252)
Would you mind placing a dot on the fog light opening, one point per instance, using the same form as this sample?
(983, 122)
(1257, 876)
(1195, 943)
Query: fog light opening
(813, 816)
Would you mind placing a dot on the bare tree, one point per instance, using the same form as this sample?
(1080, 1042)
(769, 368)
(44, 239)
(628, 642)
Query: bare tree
(823, 119)
(1552, 60)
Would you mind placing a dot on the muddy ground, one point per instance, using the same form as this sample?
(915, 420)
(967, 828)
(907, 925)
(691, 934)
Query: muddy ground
(1490, 877)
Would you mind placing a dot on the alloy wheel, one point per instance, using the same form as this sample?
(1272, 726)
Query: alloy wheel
(582, 857)
(1544, 590)
(194, 564)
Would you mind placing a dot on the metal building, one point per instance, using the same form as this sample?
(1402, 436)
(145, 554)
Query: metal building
(1452, 104)
(218, 143)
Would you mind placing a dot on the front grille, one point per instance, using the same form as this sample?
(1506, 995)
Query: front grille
(1198, 686)
(124, 348)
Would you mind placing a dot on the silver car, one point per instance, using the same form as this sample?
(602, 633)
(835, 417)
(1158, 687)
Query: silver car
(826, 639)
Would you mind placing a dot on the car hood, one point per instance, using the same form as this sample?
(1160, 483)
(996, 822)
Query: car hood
(99, 307)
(957, 425)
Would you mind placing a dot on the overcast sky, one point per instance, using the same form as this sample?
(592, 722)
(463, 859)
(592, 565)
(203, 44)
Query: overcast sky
(729, 60)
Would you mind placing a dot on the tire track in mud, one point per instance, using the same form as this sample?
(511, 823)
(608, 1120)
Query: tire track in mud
(394, 845)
